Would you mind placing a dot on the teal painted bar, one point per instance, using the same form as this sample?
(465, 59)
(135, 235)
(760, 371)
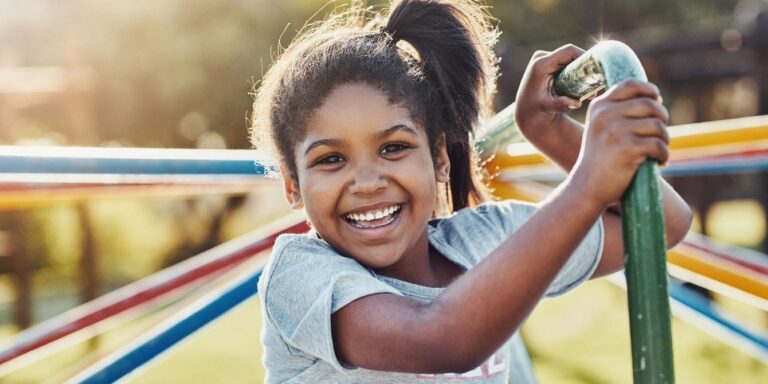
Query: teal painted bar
(606, 64)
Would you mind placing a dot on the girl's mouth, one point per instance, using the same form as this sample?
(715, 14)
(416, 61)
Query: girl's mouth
(374, 218)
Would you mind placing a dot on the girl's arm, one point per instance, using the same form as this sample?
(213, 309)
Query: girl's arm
(541, 117)
(481, 309)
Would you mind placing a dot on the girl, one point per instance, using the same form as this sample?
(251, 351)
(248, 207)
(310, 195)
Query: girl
(372, 125)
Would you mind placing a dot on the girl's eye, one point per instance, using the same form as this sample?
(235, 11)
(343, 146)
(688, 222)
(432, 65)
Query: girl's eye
(392, 148)
(330, 160)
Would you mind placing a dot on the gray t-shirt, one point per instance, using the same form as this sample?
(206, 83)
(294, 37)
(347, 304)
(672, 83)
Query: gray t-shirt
(306, 281)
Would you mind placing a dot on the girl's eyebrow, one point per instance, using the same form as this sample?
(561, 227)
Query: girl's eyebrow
(397, 128)
(315, 144)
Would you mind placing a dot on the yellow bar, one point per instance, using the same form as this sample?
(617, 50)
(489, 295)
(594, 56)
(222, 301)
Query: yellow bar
(531, 192)
(731, 131)
(702, 139)
(731, 274)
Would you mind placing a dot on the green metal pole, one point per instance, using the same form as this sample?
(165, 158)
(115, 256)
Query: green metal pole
(606, 64)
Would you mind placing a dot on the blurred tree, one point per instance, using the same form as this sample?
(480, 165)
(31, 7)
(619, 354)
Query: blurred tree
(155, 64)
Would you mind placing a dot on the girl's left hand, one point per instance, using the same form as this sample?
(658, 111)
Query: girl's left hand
(537, 105)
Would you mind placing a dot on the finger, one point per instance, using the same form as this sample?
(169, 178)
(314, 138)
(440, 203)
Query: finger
(540, 53)
(648, 127)
(559, 58)
(565, 54)
(641, 107)
(632, 88)
(565, 103)
(653, 148)
(560, 104)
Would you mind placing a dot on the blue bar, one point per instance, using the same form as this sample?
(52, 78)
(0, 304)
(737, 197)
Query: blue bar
(168, 334)
(62, 165)
(699, 168)
(703, 306)
(122, 161)
(717, 166)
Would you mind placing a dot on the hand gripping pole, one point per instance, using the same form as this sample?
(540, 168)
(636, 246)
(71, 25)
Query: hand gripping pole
(604, 65)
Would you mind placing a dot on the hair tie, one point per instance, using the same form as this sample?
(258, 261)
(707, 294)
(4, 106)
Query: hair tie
(388, 36)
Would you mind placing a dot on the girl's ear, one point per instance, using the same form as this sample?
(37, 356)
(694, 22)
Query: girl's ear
(442, 161)
(291, 188)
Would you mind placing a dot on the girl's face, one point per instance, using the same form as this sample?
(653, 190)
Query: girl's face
(366, 177)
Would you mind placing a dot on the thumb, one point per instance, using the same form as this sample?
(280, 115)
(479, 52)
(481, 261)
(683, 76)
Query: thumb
(564, 104)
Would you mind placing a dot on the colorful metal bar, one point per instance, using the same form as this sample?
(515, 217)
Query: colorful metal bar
(724, 271)
(187, 321)
(150, 288)
(743, 136)
(31, 196)
(751, 342)
(748, 258)
(606, 64)
(730, 272)
(133, 320)
(718, 166)
(129, 161)
(713, 166)
(696, 310)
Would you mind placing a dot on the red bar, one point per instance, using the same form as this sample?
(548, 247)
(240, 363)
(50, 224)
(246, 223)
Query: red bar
(145, 290)
(723, 254)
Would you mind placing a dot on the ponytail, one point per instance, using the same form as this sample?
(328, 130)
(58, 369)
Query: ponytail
(453, 41)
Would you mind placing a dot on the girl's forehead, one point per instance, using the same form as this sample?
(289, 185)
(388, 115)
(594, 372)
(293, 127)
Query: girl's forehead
(359, 110)
(349, 98)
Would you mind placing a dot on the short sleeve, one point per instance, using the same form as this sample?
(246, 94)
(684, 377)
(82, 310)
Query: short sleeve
(486, 226)
(304, 283)
(582, 263)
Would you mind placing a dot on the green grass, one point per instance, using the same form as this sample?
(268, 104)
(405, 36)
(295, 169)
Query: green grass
(583, 337)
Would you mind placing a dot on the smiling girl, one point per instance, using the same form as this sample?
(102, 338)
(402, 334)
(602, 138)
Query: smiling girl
(409, 274)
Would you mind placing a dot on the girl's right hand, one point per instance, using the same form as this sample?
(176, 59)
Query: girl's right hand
(624, 126)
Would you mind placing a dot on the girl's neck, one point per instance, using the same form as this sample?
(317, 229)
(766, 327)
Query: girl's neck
(424, 265)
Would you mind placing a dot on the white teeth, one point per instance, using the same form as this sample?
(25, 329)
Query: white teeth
(373, 215)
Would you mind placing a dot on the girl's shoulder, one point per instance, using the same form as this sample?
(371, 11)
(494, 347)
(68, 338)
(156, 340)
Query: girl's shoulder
(472, 233)
(293, 251)
(291, 246)
(305, 260)
(497, 216)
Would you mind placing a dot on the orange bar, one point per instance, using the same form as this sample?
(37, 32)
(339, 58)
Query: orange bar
(718, 269)
(15, 199)
(689, 258)
(690, 140)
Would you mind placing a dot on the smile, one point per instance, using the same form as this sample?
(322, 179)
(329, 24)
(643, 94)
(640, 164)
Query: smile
(374, 218)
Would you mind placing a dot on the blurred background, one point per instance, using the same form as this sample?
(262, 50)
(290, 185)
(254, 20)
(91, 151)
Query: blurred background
(179, 74)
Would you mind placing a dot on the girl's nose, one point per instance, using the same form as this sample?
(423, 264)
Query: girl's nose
(367, 181)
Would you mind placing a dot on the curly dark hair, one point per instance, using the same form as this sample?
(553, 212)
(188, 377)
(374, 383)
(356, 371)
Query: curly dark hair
(433, 57)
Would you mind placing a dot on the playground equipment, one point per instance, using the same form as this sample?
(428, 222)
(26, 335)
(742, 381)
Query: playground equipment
(223, 257)
(31, 173)
(606, 64)
(734, 272)
(32, 176)
(701, 147)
